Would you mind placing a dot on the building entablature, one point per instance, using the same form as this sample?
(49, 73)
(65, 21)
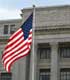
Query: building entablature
(53, 38)
(49, 16)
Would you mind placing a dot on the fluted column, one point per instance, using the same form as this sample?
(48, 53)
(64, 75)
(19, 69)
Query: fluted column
(35, 63)
(54, 61)
(19, 70)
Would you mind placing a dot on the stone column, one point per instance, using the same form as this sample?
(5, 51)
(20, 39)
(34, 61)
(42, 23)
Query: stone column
(19, 69)
(54, 61)
(15, 71)
(22, 68)
(35, 63)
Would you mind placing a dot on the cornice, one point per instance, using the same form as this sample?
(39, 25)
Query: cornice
(42, 8)
(10, 20)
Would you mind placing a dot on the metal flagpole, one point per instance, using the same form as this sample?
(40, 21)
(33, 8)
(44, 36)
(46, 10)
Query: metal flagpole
(33, 37)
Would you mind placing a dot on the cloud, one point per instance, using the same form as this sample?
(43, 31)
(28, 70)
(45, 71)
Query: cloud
(9, 14)
(15, 4)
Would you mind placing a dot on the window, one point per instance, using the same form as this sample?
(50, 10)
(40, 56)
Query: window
(12, 28)
(6, 76)
(64, 52)
(9, 29)
(6, 29)
(44, 74)
(65, 74)
(44, 53)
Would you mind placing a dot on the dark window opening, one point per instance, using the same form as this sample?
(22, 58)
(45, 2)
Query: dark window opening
(64, 52)
(65, 74)
(6, 76)
(44, 74)
(6, 29)
(44, 53)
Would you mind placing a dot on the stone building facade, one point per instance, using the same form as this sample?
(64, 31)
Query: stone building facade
(52, 45)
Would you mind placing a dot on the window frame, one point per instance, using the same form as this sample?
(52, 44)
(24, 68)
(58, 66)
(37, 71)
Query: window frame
(44, 73)
(6, 29)
(64, 52)
(10, 29)
(6, 76)
(44, 53)
(65, 74)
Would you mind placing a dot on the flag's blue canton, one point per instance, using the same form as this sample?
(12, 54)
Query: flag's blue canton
(27, 26)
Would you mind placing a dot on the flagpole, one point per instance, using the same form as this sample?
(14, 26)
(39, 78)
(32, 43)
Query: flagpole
(33, 37)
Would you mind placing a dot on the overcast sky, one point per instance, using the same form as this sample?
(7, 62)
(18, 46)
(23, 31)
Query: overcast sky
(11, 9)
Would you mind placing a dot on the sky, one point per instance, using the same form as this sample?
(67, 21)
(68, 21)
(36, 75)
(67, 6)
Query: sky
(11, 9)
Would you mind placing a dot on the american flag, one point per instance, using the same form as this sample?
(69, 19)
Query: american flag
(18, 44)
